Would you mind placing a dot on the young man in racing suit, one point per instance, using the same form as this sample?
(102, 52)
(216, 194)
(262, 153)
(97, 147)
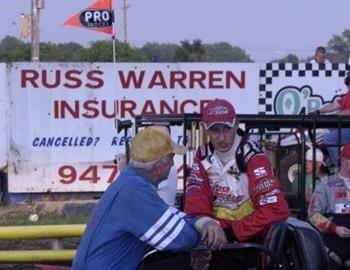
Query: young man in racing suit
(232, 181)
(329, 210)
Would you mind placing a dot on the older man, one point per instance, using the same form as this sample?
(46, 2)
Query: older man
(131, 219)
(232, 181)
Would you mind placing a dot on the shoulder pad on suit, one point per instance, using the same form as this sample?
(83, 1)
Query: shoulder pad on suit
(248, 149)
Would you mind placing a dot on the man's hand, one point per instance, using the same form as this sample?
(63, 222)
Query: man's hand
(317, 112)
(200, 260)
(213, 235)
(342, 232)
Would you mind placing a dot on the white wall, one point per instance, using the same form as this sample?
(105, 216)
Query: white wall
(3, 118)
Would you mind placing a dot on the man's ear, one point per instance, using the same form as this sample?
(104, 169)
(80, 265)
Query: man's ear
(157, 166)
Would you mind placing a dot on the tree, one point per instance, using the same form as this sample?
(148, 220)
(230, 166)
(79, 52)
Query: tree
(102, 51)
(50, 52)
(160, 52)
(289, 58)
(9, 43)
(125, 53)
(225, 52)
(72, 50)
(12, 49)
(338, 48)
(99, 51)
(188, 52)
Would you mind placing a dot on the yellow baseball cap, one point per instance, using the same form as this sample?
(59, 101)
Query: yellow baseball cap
(153, 143)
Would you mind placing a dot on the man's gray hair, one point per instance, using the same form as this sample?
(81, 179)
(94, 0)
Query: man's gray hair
(147, 166)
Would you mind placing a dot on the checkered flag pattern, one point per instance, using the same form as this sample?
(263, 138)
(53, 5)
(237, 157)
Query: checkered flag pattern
(273, 70)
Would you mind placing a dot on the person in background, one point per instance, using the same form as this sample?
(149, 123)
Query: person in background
(309, 182)
(131, 219)
(339, 106)
(309, 177)
(329, 210)
(232, 181)
(320, 56)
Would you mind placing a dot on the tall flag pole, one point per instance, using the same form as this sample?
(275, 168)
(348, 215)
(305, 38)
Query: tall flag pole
(97, 17)
(113, 37)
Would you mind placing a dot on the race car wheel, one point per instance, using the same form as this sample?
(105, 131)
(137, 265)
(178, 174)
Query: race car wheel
(289, 170)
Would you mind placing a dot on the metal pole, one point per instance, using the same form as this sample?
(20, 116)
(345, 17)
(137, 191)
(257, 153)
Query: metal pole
(302, 174)
(21, 256)
(125, 7)
(36, 4)
(114, 55)
(41, 231)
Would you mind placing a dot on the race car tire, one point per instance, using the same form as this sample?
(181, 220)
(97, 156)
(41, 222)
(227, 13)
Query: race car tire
(289, 170)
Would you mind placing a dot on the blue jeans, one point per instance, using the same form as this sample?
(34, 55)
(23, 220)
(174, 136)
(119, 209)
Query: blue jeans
(332, 138)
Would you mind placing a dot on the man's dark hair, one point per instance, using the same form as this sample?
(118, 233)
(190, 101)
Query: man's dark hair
(347, 79)
(321, 49)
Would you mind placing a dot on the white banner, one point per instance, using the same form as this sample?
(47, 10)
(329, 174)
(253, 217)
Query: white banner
(3, 117)
(299, 88)
(61, 122)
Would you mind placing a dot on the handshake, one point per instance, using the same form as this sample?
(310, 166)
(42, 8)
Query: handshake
(213, 236)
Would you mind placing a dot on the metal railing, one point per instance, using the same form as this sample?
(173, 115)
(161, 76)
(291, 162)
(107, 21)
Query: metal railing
(39, 232)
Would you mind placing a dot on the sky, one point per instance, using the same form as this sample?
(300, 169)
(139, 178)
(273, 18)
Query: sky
(265, 29)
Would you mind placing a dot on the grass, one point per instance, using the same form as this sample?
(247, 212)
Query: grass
(21, 219)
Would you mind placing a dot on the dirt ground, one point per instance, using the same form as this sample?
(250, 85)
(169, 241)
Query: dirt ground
(43, 207)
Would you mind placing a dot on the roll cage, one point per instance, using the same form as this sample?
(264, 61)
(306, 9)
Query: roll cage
(268, 130)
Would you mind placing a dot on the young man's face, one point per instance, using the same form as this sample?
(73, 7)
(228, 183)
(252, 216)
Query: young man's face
(222, 136)
(320, 57)
(345, 164)
(348, 87)
(309, 167)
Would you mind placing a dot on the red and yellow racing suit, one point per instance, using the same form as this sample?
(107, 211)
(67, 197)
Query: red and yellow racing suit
(248, 201)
